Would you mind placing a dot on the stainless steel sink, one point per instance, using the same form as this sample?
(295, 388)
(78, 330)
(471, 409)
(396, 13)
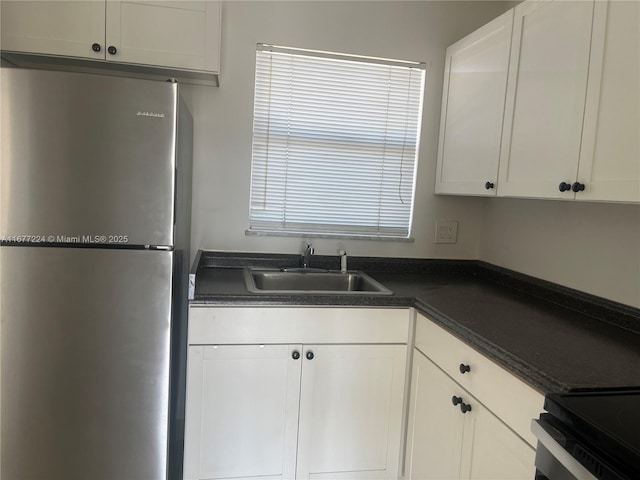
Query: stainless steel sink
(312, 281)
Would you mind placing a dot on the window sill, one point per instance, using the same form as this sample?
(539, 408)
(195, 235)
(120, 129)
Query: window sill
(342, 236)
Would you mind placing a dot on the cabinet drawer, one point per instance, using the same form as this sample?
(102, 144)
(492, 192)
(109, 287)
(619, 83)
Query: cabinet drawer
(509, 398)
(242, 325)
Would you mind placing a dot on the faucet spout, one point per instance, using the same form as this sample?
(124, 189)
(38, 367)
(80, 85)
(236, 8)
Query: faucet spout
(307, 255)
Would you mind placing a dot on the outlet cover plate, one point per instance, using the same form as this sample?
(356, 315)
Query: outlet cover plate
(446, 231)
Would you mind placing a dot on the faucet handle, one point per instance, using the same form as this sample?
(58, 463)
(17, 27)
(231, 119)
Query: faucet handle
(343, 261)
(308, 251)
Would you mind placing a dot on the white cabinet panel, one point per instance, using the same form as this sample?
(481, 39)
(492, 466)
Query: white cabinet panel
(331, 411)
(237, 325)
(610, 159)
(350, 411)
(571, 124)
(67, 28)
(492, 451)
(486, 380)
(436, 427)
(472, 110)
(242, 404)
(445, 444)
(175, 35)
(545, 98)
(183, 35)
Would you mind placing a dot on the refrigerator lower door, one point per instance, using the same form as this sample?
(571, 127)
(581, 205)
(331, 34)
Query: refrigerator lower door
(84, 373)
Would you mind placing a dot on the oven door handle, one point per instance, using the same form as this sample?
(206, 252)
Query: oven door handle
(550, 438)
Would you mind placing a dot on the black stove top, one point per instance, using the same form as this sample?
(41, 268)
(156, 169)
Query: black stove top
(606, 420)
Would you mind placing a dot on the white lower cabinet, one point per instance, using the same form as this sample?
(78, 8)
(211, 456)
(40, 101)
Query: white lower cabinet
(445, 443)
(321, 394)
(242, 411)
(436, 427)
(321, 410)
(351, 401)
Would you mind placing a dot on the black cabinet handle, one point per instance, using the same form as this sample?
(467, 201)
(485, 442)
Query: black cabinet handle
(295, 355)
(464, 368)
(96, 47)
(464, 407)
(112, 50)
(310, 355)
(577, 187)
(564, 187)
(489, 185)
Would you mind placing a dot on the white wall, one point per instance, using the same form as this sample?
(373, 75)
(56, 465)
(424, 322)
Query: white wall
(223, 117)
(587, 246)
(592, 247)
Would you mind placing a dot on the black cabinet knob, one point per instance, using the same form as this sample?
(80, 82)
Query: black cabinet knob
(489, 185)
(456, 400)
(577, 187)
(564, 187)
(112, 50)
(310, 355)
(465, 407)
(96, 47)
(295, 355)
(464, 368)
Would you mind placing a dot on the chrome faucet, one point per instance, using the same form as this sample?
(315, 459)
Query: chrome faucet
(306, 255)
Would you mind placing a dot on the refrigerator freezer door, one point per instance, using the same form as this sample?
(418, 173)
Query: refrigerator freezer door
(84, 363)
(87, 158)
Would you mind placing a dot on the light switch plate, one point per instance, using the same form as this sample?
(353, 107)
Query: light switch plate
(446, 231)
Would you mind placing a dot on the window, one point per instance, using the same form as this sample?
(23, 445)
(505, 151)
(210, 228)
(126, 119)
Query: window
(335, 142)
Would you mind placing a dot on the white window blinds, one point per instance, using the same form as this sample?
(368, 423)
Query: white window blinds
(335, 141)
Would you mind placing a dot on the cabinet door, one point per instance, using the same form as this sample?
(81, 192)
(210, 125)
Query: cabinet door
(241, 412)
(67, 28)
(610, 159)
(351, 411)
(436, 426)
(473, 98)
(492, 450)
(545, 102)
(173, 34)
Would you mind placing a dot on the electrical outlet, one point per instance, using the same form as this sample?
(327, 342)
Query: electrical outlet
(446, 232)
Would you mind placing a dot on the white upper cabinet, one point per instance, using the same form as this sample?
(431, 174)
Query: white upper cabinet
(180, 35)
(610, 158)
(183, 35)
(68, 28)
(546, 91)
(472, 110)
(571, 103)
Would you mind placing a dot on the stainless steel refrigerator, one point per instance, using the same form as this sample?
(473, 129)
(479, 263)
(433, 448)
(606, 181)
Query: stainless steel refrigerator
(95, 177)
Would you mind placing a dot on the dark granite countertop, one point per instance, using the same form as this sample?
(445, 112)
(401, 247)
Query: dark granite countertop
(554, 338)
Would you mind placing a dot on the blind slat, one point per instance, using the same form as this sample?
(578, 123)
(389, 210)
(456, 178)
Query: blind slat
(334, 145)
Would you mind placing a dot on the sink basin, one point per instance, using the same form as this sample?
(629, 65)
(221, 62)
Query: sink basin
(314, 282)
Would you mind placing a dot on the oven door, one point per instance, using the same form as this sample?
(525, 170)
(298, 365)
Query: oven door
(557, 451)
(553, 460)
